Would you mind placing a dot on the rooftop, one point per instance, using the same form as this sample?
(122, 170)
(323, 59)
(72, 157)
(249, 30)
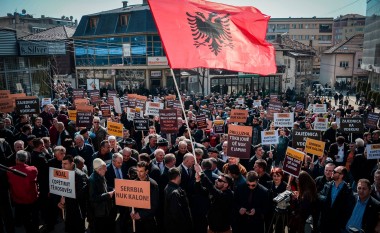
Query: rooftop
(351, 45)
(52, 34)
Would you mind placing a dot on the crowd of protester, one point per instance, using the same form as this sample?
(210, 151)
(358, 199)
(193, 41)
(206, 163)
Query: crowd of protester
(196, 186)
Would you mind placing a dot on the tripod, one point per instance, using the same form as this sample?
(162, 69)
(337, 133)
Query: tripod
(279, 220)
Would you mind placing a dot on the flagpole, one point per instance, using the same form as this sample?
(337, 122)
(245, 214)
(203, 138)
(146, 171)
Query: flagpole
(184, 113)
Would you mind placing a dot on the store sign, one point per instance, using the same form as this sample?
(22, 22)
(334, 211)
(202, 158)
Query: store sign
(42, 48)
(157, 61)
(156, 73)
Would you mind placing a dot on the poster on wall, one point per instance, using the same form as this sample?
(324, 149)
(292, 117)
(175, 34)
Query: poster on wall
(92, 84)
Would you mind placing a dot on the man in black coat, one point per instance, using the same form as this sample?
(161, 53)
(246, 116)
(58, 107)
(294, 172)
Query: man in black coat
(39, 130)
(329, 136)
(339, 151)
(187, 174)
(336, 202)
(252, 201)
(85, 151)
(176, 205)
(114, 170)
(370, 216)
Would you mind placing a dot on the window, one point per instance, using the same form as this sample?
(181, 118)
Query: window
(306, 26)
(359, 62)
(300, 26)
(287, 62)
(294, 26)
(294, 37)
(343, 64)
(307, 37)
(124, 20)
(325, 28)
(93, 22)
(300, 37)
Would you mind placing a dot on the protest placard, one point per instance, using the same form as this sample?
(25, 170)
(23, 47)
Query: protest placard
(239, 141)
(132, 100)
(219, 106)
(293, 161)
(6, 105)
(78, 93)
(168, 121)
(169, 100)
(273, 97)
(140, 101)
(117, 105)
(283, 119)
(201, 121)
(5, 94)
(106, 110)
(132, 193)
(153, 109)
(141, 124)
(84, 108)
(240, 101)
(28, 106)
(205, 111)
(351, 125)
(218, 126)
(62, 182)
(300, 136)
(314, 147)
(373, 151)
(95, 96)
(72, 115)
(372, 120)
(321, 123)
(239, 115)
(257, 103)
(273, 107)
(177, 106)
(131, 114)
(299, 106)
(45, 101)
(319, 108)
(269, 137)
(80, 102)
(84, 119)
(115, 129)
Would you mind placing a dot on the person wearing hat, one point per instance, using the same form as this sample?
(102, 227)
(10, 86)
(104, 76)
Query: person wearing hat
(100, 197)
(163, 144)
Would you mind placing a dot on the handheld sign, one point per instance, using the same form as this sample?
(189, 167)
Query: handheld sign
(72, 115)
(141, 124)
(352, 125)
(201, 122)
(117, 105)
(273, 107)
(45, 101)
(218, 126)
(132, 100)
(373, 151)
(115, 129)
(300, 136)
(106, 110)
(168, 120)
(27, 106)
(153, 109)
(315, 147)
(319, 108)
(140, 101)
(5, 94)
(85, 108)
(132, 193)
(257, 103)
(78, 93)
(6, 106)
(239, 115)
(84, 119)
(372, 120)
(321, 123)
(62, 182)
(293, 161)
(283, 119)
(269, 137)
(239, 141)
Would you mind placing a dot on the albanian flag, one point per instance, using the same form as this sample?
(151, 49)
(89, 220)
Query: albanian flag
(197, 33)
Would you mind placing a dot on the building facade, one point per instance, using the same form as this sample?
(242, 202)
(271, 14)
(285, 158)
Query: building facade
(346, 26)
(371, 47)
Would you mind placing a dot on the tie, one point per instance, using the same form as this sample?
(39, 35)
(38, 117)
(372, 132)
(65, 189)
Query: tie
(189, 172)
(118, 175)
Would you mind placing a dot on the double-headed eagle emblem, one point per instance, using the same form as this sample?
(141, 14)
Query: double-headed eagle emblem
(213, 31)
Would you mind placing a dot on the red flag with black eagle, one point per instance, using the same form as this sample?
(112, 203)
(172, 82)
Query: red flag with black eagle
(197, 33)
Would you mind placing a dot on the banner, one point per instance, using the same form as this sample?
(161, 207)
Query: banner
(62, 182)
(106, 110)
(201, 122)
(5, 94)
(168, 121)
(283, 120)
(214, 35)
(314, 147)
(6, 106)
(153, 109)
(132, 193)
(45, 101)
(372, 120)
(72, 115)
(84, 119)
(28, 106)
(300, 136)
(293, 161)
(273, 107)
(351, 125)
(239, 115)
(321, 123)
(373, 151)
(269, 137)
(218, 126)
(319, 108)
(239, 141)
(115, 129)
(141, 124)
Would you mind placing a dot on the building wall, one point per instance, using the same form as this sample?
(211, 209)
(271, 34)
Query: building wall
(327, 74)
(347, 26)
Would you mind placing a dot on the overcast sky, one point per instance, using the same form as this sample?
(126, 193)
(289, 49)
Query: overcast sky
(273, 8)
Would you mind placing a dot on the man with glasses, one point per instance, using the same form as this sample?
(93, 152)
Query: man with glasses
(252, 201)
(336, 201)
(221, 197)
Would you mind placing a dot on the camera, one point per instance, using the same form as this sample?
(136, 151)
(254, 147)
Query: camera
(283, 200)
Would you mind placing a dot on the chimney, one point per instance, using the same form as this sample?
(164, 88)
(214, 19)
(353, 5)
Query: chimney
(42, 16)
(17, 18)
(125, 4)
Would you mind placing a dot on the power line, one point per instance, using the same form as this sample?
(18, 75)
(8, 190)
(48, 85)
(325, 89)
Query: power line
(341, 8)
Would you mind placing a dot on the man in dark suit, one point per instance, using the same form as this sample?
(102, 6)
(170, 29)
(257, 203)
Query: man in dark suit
(62, 133)
(128, 160)
(159, 159)
(187, 174)
(365, 202)
(154, 171)
(375, 193)
(339, 151)
(85, 151)
(329, 135)
(114, 170)
(213, 153)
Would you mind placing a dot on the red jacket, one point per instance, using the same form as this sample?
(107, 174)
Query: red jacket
(23, 190)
